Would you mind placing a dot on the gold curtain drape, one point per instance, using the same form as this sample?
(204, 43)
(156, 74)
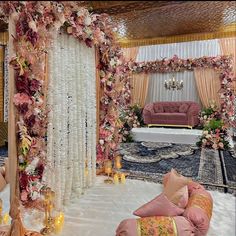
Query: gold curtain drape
(1, 82)
(139, 82)
(208, 85)
(228, 47)
(4, 38)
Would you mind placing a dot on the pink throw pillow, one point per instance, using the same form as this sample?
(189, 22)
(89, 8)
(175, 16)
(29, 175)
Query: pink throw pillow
(159, 206)
(183, 108)
(175, 188)
(127, 227)
(199, 210)
(184, 227)
(158, 108)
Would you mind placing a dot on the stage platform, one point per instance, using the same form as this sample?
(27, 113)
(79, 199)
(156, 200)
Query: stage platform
(170, 135)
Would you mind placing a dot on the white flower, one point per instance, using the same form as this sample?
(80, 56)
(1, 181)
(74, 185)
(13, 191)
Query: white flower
(101, 141)
(35, 195)
(204, 140)
(112, 62)
(36, 111)
(87, 21)
(205, 132)
(32, 166)
(109, 83)
(32, 25)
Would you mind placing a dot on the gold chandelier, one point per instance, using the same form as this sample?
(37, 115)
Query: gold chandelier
(174, 84)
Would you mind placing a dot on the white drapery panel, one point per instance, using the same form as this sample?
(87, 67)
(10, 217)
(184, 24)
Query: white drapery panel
(194, 49)
(157, 91)
(72, 119)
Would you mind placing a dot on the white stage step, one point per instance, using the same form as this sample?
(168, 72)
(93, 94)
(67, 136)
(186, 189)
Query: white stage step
(170, 135)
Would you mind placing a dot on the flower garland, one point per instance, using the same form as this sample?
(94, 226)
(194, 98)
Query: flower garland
(131, 117)
(175, 64)
(35, 22)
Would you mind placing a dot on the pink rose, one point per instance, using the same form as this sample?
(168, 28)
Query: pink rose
(21, 98)
(24, 196)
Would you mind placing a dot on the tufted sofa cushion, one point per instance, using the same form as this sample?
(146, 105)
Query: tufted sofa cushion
(171, 109)
(183, 108)
(158, 108)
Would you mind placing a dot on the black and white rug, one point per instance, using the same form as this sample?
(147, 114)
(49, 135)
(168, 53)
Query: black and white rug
(151, 160)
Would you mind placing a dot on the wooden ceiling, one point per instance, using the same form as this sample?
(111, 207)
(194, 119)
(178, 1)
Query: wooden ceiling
(143, 20)
(140, 20)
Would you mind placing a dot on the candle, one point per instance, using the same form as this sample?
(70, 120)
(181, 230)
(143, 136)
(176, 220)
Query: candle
(118, 162)
(122, 178)
(6, 219)
(116, 179)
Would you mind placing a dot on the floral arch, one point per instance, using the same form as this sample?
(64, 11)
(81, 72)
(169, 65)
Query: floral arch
(223, 64)
(31, 28)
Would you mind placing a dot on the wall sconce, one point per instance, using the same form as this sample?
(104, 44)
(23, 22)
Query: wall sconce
(174, 84)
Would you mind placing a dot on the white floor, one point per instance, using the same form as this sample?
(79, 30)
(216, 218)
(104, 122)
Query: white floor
(172, 135)
(99, 211)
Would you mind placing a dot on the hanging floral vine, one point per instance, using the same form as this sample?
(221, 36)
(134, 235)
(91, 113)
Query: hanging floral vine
(36, 22)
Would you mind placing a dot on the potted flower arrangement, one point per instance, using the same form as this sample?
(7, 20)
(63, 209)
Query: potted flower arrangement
(214, 136)
(209, 113)
(131, 118)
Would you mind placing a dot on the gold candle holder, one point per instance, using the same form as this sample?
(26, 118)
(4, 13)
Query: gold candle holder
(108, 171)
(49, 221)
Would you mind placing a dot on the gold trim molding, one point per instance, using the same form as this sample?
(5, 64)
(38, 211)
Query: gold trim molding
(226, 33)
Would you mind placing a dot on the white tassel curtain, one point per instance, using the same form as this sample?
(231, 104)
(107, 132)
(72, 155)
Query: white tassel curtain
(72, 119)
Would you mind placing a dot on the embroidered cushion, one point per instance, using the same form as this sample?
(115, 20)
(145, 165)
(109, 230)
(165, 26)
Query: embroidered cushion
(183, 108)
(159, 206)
(175, 188)
(199, 210)
(155, 225)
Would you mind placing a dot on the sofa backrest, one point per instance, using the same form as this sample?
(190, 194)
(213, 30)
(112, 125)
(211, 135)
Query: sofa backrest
(172, 107)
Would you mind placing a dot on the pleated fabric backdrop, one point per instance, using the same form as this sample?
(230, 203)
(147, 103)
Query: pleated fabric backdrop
(194, 49)
(72, 119)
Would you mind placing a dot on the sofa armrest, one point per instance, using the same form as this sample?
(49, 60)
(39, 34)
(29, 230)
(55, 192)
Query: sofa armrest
(147, 113)
(193, 110)
(148, 109)
(192, 114)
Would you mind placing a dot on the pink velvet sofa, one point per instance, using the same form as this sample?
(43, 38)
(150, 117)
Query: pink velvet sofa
(184, 113)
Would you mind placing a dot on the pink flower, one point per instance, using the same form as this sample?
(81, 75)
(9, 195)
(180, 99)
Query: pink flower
(24, 196)
(21, 98)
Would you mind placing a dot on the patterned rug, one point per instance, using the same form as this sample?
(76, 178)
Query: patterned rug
(3, 154)
(150, 161)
